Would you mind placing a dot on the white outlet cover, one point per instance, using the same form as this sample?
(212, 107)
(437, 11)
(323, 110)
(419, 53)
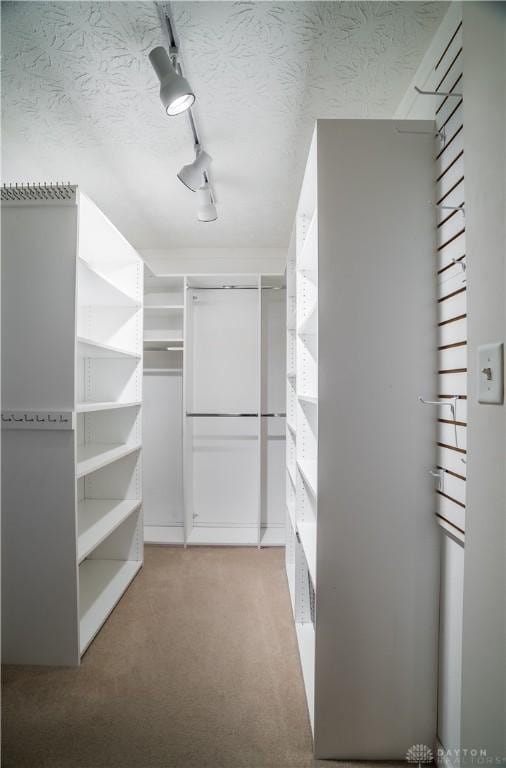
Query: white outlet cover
(490, 384)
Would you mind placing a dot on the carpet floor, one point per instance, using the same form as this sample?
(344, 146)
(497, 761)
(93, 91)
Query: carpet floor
(196, 668)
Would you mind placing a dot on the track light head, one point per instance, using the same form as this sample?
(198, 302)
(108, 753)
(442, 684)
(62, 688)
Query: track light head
(207, 209)
(192, 175)
(175, 92)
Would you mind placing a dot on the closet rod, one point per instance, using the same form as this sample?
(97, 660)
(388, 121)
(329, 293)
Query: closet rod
(233, 287)
(239, 415)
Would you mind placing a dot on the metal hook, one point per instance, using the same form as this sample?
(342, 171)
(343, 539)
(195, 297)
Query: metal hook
(437, 93)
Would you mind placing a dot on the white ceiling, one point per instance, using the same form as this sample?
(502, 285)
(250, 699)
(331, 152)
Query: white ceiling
(80, 103)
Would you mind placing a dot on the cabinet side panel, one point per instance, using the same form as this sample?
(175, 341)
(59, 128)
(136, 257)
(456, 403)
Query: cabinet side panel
(377, 596)
(39, 573)
(38, 306)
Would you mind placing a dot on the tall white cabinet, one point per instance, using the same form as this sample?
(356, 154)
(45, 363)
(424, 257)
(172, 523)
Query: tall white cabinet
(362, 546)
(72, 531)
(214, 415)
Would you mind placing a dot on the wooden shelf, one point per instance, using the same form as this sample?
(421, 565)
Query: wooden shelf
(91, 348)
(90, 407)
(101, 585)
(91, 457)
(95, 289)
(307, 535)
(97, 519)
(308, 470)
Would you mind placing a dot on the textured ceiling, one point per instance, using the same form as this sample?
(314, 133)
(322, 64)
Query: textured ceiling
(80, 103)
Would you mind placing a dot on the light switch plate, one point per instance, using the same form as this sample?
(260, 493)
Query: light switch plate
(490, 373)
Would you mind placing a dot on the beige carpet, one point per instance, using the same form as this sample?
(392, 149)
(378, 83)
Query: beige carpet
(197, 667)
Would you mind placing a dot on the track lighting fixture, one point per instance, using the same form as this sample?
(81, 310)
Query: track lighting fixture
(175, 92)
(207, 209)
(192, 175)
(177, 97)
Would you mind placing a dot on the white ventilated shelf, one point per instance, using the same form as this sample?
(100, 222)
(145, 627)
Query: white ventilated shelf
(97, 519)
(91, 456)
(90, 348)
(101, 585)
(307, 536)
(308, 470)
(306, 643)
(90, 407)
(95, 289)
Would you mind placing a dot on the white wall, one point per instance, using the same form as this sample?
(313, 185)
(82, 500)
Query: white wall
(484, 632)
(216, 260)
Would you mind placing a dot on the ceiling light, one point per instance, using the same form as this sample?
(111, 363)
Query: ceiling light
(207, 209)
(192, 174)
(175, 92)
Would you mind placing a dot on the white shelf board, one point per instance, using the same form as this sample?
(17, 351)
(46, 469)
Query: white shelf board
(308, 470)
(273, 536)
(155, 308)
(101, 290)
(91, 348)
(168, 337)
(306, 642)
(93, 456)
(97, 519)
(291, 513)
(101, 585)
(291, 428)
(89, 407)
(309, 326)
(309, 254)
(307, 535)
(308, 399)
(237, 535)
(310, 274)
(164, 534)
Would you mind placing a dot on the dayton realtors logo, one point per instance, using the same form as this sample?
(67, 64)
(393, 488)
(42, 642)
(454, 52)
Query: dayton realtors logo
(420, 754)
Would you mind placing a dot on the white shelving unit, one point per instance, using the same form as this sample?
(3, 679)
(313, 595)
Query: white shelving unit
(79, 323)
(213, 479)
(164, 302)
(361, 551)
